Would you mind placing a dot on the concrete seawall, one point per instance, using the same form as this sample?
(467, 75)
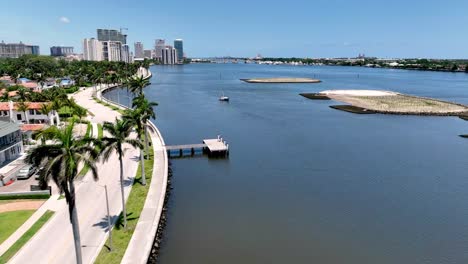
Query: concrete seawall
(141, 243)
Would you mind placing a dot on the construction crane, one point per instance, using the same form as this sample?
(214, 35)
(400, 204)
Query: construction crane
(121, 33)
(121, 29)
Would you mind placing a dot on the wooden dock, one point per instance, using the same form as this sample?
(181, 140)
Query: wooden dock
(213, 147)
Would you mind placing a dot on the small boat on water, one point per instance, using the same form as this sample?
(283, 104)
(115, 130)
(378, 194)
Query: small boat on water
(224, 98)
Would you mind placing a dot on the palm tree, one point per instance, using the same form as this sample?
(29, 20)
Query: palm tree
(146, 111)
(23, 94)
(133, 116)
(119, 133)
(46, 109)
(136, 84)
(23, 107)
(61, 164)
(5, 97)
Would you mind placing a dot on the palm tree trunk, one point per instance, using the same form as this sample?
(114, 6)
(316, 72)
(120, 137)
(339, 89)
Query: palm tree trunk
(74, 222)
(146, 142)
(57, 116)
(142, 161)
(51, 120)
(124, 210)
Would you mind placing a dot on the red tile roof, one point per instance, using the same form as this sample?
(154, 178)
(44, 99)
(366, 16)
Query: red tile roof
(31, 105)
(32, 127)
(30, 85)
(4, 106)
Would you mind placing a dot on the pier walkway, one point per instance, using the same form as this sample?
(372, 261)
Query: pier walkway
(213, 147)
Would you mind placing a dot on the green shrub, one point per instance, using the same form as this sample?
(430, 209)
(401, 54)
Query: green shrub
(24, 196)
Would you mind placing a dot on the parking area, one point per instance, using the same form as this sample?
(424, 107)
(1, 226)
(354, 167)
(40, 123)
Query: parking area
(10, 172)
(19, 185)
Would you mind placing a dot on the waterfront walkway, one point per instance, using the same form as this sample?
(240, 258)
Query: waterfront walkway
(54, 242)
(141, 243)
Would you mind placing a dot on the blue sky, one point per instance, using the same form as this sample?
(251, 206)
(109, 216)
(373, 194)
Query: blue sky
(302, 28)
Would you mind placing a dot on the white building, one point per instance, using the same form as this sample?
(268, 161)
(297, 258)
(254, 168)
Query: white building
(11, 144)
(9, 110)
(139, 50)
(112, 50)
(169, 56)
(92, 50)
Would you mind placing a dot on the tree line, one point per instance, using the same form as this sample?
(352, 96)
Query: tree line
(61, 151)
(84, 73)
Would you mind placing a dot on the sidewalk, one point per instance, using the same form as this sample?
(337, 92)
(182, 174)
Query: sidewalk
(54, 242)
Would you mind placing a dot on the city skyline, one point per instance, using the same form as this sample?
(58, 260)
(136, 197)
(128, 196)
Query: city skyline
(244, 29)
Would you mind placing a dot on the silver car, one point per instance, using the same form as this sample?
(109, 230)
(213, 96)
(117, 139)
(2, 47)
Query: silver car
(26, 172)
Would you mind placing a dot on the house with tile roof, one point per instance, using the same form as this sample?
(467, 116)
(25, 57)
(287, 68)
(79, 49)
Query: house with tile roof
(9, 110)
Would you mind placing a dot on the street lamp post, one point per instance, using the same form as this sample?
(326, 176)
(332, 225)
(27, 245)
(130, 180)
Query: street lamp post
(108, 216)
(108, 219)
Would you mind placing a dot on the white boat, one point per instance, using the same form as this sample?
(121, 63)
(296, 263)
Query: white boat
(224, 98)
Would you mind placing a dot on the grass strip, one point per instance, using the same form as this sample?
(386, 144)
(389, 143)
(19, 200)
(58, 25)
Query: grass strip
(120, 236)
(89, 130)
(12, 221)
(26, 237)
(100, 131)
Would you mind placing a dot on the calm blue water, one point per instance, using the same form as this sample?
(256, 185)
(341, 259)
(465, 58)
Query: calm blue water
(308, 184)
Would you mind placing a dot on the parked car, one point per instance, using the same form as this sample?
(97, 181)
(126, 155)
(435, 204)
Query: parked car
(26, 172)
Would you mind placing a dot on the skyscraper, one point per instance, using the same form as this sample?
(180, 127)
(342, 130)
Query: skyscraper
(169, 56)
(112, 50)
(111, 35)
(159, 45)
(58, 51)
(125, 54)
(139, 51)
(179, 46)
(148, 54)
(92, 50)
(16, 50)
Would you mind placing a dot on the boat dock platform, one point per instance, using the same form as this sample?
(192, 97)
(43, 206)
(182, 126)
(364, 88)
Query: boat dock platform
(213, 147)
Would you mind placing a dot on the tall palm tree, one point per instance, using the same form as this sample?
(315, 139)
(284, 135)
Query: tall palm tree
(61, 165)
(146, 111)
(23, 107)
(56, 105)
(119, 133)
(136, 84)
(133, 116)
(46, 109)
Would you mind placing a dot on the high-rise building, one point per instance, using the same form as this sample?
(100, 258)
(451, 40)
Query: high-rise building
(111, 35)
(139, 51)
(159, 45)
(125, 54)
(16, 50)
(58, 51)
(179, 46)
(169, 56)
(92, 50)
(148, 54)
(34, 49)
(112, 50)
